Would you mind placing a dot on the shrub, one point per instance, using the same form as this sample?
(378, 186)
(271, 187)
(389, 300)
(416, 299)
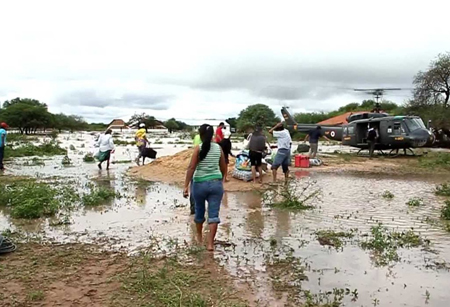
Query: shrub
(98, 196)
(29, 150)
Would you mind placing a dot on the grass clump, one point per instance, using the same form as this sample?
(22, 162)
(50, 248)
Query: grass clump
(32, 200)
(385, 244)
(121, 162)
(387, 195)
(29, 150)
(66, 161)
(442, 189)
(36, 296)
(98, 196)
(415, 202)
(34, 162)
(89, 158)
(445, 211)
(332, 238)
(290, 196)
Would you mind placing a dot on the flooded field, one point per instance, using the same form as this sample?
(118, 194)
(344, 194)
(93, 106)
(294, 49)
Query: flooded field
(369, 240)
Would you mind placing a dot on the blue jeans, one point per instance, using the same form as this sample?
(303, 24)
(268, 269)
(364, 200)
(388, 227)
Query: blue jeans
(208, 191)
(283, 159)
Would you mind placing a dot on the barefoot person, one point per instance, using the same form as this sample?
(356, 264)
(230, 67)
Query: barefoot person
(257, 146)
(226, 148)
(106, 147)
(283, 155)
(207, 169)
(141, 141)
(3, 132)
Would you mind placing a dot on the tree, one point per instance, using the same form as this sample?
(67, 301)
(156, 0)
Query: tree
(171, 124)
(256, 115)
(137, 119)
(432, 87)
(26, 114)
(232, 121)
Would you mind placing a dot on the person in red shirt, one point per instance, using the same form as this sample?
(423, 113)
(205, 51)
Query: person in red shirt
(219, 132)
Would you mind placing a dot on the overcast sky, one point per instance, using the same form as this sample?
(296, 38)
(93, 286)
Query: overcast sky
(198, 59)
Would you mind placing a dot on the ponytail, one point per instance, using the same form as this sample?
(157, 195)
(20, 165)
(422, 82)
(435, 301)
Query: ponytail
(206, 134)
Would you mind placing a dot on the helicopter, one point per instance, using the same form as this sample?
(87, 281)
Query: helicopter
(395, 132)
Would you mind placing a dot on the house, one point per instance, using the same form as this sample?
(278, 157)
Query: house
(118, 125)
(195, 124)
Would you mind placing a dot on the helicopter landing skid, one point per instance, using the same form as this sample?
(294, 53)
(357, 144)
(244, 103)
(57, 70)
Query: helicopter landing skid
(395, 152)
(381, 153)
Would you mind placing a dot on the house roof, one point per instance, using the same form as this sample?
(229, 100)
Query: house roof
(339, 120)
(118, 123)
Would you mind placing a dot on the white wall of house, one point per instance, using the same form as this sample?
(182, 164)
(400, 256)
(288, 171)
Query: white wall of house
(215, 123)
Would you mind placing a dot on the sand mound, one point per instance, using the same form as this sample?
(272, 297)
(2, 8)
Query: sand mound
(172, 169)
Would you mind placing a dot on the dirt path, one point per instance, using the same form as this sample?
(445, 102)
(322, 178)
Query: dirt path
(82, 275)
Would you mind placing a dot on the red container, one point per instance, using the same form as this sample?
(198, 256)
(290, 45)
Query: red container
(301, 161)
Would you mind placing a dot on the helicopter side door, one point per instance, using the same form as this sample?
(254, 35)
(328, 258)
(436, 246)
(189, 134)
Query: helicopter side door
(348, 134)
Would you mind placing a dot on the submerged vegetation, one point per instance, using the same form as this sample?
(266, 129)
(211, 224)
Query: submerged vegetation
(415, 202)
(31, 200)
(443, 189)
(290, 196)
(385, 244)
(89, 158)
(28, 150)
(388, 195)
(445, 211)
(332, 238)
(98, 196)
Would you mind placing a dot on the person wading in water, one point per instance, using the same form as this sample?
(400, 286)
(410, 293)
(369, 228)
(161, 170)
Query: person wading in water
(141, 141)
(257, 146)
(106, 147)
(207, 170)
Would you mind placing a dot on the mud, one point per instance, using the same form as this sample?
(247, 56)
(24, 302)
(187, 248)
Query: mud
(254, 241)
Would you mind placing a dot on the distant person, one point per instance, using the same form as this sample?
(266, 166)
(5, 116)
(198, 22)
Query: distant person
(207, 170)
(314, 136)
(141, 141)
(197, 141)
(226, 146)
(372, 137)
(3, 132)
(106, 147)
(257, 147)
(219, 132)
(283, 155)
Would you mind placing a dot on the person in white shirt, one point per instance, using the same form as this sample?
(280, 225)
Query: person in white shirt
(106, 147)
(283, 156)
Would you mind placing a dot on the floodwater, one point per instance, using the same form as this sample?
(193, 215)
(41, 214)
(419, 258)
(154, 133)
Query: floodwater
(345, 202)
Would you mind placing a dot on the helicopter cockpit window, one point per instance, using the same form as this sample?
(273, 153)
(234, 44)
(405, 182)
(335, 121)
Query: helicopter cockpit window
(414, 123)
(345, 131)
(351, 130)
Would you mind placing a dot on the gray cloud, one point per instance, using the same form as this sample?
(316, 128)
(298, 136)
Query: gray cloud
(91, 98)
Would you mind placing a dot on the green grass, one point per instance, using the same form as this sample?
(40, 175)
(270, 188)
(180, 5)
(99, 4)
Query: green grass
(98, 196)
(415, 202)
(439, 160)
(385, 244)
(121, 142)
(442, 189)
(387, 195)
(445, 211)
(29, 150)
(32, 200)
(36, 296)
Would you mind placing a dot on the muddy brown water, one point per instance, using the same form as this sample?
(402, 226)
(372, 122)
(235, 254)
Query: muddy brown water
(346, 202)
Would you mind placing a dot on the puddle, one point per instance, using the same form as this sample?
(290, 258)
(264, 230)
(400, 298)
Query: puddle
(346, 202)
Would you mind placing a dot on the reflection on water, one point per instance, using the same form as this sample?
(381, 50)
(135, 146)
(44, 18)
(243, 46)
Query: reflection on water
(347, 202)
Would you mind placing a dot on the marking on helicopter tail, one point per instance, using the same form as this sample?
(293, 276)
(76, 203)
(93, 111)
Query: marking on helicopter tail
(332, 133)
(347, 138)
(399, 139)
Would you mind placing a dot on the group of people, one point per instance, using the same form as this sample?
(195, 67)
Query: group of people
(105, 143)
(208, 170)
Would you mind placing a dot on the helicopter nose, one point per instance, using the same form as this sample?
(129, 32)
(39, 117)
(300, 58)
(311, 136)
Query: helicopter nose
(422, 138)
